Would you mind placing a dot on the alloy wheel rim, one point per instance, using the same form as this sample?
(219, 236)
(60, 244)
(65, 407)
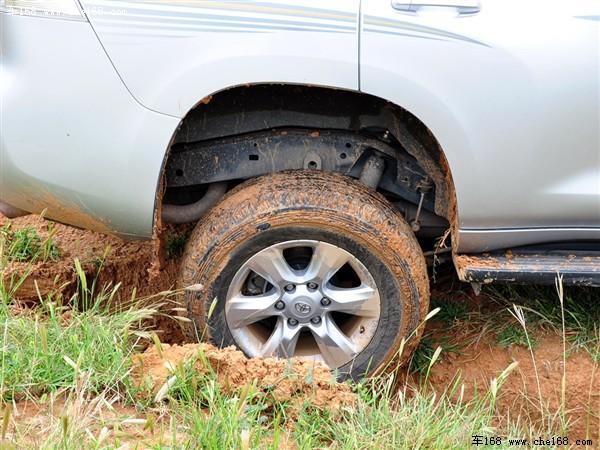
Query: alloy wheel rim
(306, 299)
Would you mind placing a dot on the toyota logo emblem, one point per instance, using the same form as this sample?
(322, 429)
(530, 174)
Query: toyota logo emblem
(302, 308)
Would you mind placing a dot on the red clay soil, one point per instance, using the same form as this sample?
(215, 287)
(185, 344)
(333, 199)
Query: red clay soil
(125, 262)
(295, 381)
(481, 362)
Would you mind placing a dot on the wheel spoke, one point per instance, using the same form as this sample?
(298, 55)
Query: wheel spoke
(243, 310)
(282, 342)
(325, 262)
(336, 348)
(359, 301)
(272, 266)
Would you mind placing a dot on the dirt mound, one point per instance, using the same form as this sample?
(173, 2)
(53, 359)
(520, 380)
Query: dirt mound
(478, 364)
(295, 381)
(107, 259)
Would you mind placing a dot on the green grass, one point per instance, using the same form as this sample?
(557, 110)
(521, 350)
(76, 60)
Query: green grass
(175, 243)
(406, 419)
(513, 334)
(423, 355)
(543, 312)
(26, 245)
(450, 310)
(215, 419)
(44, 349)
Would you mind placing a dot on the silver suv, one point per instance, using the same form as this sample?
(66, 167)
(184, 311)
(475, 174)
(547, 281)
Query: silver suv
(323, 148)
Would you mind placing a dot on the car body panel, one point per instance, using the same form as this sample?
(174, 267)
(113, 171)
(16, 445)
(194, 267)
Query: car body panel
(512, 95)
(74, 143)
(173, 53)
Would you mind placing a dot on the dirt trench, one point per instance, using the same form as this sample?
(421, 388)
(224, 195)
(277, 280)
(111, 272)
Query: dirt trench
(105, 259)
(519, 395)
(129, 263)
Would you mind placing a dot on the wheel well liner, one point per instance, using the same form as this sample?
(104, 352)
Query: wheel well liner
(246, 109)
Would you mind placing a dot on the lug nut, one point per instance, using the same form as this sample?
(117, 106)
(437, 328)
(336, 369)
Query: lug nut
(316, 320)
(279, 305)
(293, 322)
(325, 301)
(312, 285)
(289, 288)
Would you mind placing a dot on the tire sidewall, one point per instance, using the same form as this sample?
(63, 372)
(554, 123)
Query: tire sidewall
(391, 303)
(340, 211)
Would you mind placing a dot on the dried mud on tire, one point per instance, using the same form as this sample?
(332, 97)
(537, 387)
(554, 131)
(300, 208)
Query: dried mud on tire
(319, 206)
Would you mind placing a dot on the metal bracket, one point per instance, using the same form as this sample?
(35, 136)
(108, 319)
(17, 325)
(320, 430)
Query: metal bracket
(254, 154)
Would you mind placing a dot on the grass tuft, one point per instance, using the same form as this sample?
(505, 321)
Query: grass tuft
(175, 244)
(47, 348)
(513, 334)
(26, 245)
(575, 312)
(44, 350)
(450, 311)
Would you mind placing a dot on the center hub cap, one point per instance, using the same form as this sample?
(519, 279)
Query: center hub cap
(303, 309)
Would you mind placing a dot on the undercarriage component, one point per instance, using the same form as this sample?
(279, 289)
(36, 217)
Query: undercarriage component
(531, 266)
(372, 172)
(193, 211)
(424, 187)
(430, 224)
(250, 109)
(415, 224)
(10, 211)
(254, 154)
(425, 160)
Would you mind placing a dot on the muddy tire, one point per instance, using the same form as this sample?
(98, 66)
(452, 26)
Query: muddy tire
(269, 254)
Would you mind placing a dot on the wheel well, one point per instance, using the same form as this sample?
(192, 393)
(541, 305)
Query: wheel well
(264, 108)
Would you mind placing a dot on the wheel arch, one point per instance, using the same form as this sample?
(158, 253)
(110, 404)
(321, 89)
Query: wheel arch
(249, 107)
